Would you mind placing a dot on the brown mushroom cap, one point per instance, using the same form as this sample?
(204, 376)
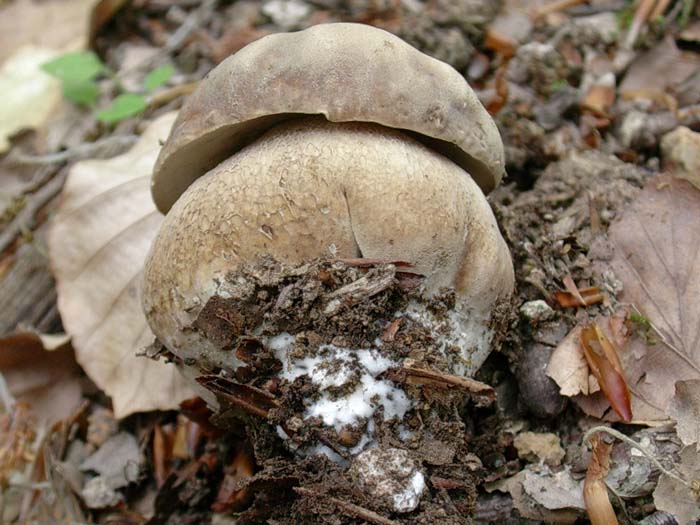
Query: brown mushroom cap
(346, 72)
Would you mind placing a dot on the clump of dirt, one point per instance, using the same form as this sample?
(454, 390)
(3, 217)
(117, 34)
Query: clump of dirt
(344, 370)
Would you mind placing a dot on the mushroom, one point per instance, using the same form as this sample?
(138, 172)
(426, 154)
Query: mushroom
(337, 141)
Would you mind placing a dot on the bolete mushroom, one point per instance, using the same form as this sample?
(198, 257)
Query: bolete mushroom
(337, 141)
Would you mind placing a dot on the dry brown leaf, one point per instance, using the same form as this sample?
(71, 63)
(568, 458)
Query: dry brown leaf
(527, 506)
(595, 492)
(568, 366)
(681, 499)
(657, 258)
(44, 376)
(659, 71)
(685, 409)
(30, 96)
(554, 490)
(98, 243)
(545, 446)
(604, 363)
(51, 24)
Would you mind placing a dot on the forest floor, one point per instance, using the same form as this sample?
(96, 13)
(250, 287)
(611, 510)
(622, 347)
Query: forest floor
(593, 386)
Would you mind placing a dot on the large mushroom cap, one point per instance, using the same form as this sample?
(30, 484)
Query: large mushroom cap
(346, 72)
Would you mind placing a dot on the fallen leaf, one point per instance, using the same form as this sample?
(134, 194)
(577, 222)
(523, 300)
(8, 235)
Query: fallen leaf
(685, 409)
(529, 507)
(27, 23)
(677, 498)
(659, 71)
(603, 361)
(583, 297)
(656, 257)
(568, 366)
(30, 95)
(98, 243)
(544, 446)
(48, 381)
(507, 31)
(116, 461)
(595, 492)
(554, 490)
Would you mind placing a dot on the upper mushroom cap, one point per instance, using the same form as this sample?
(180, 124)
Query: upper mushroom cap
(346, 72)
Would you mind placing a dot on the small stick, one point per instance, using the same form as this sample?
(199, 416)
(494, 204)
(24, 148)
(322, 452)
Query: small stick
(659, 9)
(558, 5)
(103, 147)
(35, 202)
(163, 97)
(349, 508)
(640, 16)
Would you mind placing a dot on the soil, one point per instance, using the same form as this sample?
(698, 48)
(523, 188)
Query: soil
(268, 299)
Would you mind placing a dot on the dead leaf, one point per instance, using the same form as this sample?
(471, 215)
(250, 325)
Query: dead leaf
(527, 506)
(98, 242)
(101, 14)
(554, 490)
(603, 361)
(507, 31)
(656, 256)
(545, 446)
(116, 461)
(27, 23)
(582, 297)
(685, 409)
(595, 492)
(681, 499)
(30, 96)
(48, 381)
(568, 366)
(659, 71)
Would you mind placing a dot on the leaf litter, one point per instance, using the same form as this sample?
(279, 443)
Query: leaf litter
(553, 96)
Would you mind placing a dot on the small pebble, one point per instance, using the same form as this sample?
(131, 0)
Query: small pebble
(536, 311)
(538, 391)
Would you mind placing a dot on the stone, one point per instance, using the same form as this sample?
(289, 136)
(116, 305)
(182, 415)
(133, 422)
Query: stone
(538, 392)
(681, 149)
(287, 14)
(536, 311)
(391, 476)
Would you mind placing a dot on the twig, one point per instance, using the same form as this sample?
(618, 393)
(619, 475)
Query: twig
(659, 9)
(34, 203)
(558, 5)
(193, 21)
(631, 442)
(349, 508)
(163, 97)
(641, 15)
(105, 147)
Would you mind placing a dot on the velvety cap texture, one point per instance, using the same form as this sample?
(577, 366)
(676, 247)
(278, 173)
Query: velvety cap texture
(346, 72)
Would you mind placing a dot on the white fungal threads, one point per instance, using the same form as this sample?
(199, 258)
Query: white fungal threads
(347, 379)
(468, 332)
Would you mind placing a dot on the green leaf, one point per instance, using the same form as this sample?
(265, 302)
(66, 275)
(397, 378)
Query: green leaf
(158, 77)
(124, 106)
(79, 66)
(82, 92)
